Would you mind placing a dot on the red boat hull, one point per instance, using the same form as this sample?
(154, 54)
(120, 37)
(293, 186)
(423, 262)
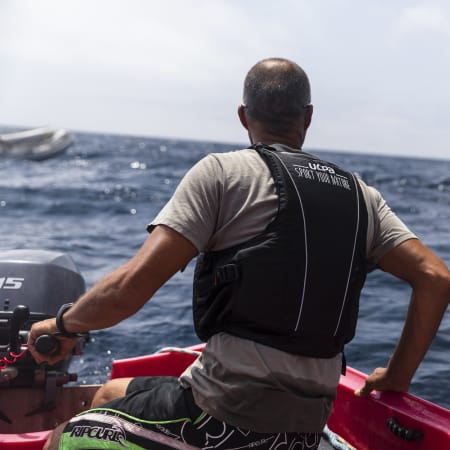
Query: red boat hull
(360, 421)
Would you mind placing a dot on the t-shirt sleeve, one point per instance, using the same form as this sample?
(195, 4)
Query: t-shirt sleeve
(388, 231)
(192, 211)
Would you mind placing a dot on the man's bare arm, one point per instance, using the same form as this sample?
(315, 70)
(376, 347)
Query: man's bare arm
(123, 292)
(430, 281)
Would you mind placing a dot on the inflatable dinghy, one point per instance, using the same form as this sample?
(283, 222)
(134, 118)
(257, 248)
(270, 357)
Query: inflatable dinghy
(36, 144)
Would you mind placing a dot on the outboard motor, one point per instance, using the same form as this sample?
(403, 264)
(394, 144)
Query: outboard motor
(33, 286)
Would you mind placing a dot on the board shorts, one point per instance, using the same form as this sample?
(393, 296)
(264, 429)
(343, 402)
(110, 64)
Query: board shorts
(157, 413)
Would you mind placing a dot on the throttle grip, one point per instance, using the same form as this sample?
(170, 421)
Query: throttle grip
(46, 344)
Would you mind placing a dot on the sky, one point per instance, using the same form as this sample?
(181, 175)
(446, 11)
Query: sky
(379, 70)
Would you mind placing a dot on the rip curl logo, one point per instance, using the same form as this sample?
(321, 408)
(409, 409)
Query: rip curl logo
(111, 434)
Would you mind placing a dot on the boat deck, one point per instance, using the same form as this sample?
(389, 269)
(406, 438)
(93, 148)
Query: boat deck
(340, 444)
(325, 445)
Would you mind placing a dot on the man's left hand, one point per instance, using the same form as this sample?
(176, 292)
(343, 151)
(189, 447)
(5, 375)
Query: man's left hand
(48, 327)
(380, 380)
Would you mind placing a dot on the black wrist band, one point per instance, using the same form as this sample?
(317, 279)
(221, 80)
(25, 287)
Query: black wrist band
(60, 324)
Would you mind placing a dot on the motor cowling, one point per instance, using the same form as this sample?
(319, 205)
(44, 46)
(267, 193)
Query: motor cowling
(33, 286)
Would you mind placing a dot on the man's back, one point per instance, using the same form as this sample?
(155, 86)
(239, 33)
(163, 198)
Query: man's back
(238, 380)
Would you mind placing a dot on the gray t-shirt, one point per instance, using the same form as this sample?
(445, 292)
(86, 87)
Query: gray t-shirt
(224, 200)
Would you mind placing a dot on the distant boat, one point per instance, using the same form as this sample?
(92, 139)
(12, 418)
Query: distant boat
(36, 144)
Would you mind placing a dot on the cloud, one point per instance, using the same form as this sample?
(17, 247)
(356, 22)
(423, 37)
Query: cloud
(175, 67)
(424, 19)
(135, 36)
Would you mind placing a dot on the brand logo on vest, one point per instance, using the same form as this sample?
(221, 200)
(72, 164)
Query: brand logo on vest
(321, 167)
(112, 434)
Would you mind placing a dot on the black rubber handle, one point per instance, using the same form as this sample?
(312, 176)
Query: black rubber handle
(46, 344)
(20, 315)
(407, 434)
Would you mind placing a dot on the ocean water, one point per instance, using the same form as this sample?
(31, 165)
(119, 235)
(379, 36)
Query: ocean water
(95, 200)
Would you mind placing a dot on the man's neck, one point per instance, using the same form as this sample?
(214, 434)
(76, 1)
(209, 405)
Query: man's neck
(290, 141)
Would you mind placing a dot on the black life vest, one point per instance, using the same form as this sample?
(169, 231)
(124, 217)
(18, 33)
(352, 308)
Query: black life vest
(296, 286)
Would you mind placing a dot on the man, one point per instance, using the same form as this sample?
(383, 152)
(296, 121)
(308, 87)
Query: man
(285, 240)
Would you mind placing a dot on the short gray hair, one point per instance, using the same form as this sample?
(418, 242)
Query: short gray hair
(276, 92)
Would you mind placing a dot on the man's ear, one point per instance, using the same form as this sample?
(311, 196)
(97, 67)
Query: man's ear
(242, 116)
(308, 116)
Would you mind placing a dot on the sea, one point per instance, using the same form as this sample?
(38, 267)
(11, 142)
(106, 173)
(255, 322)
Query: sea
(95, 200)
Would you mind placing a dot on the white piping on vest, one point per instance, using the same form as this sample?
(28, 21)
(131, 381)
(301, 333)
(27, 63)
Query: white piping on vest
(353, 257)
(306, 243)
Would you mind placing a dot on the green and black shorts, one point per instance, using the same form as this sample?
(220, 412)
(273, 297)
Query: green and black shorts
(157, 413)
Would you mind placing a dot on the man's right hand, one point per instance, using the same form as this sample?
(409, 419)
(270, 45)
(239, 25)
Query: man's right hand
(48, 327)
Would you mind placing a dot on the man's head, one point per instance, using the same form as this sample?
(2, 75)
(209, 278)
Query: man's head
(277, 97)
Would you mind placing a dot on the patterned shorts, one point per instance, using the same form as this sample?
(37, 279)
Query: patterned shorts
(157, 413)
